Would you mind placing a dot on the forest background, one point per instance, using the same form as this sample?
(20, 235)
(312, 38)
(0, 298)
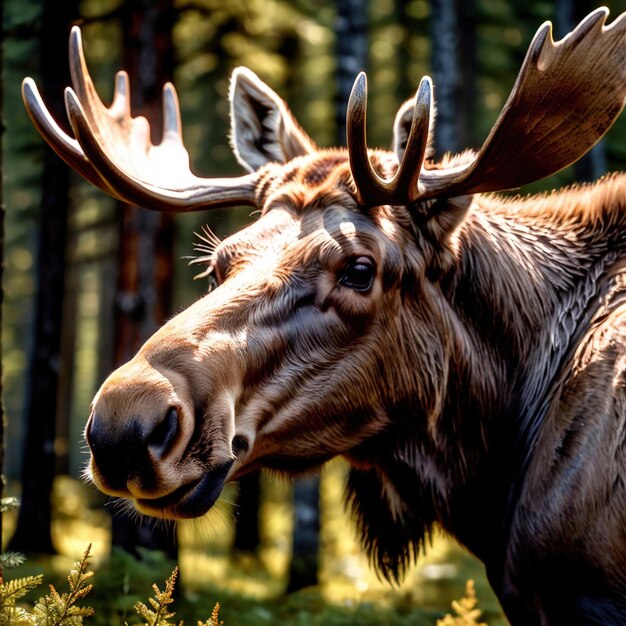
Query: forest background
(86, 280)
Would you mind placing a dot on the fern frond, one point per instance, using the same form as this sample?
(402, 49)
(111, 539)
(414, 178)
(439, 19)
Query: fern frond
(46, 612)
(16, 616)
(466, 609)
(11, 559)
(11, 590)
(55, 596)
(78, 578)
(160, 615)
(80, 611)
(214, 620)
(59, 609)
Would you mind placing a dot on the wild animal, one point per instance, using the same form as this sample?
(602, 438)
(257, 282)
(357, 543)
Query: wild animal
(464, 351)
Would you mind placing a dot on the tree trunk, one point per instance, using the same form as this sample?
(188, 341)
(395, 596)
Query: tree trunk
(68, 358)
(145, 271)
(247, 536)
(2, 416)
(467, 65)
(351, 28)
(306, 532)
(405, 83)
(33, 529)
(446, 74)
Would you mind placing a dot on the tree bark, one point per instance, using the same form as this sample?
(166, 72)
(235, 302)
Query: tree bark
(247, 535)
(2, 415)
(351, 29)
(446, 74)
(303, 571)
(467, 67)
(143, 297)
(33, 532)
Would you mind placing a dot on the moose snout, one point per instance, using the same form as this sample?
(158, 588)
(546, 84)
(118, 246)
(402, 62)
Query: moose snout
(131, 452)
(156, 444)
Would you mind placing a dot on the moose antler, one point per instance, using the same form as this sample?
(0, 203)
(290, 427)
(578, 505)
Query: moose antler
(403, 187)
(113, 150)
(566, 96)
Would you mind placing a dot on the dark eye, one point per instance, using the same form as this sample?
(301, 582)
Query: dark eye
(359, 275)
(212, 282)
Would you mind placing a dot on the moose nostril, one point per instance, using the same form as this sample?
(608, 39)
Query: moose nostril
(164, 434)
(98, 436)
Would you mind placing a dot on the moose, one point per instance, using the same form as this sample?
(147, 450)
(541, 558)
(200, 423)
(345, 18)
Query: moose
(463, 350)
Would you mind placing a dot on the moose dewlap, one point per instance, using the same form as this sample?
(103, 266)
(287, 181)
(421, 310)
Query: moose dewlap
(464, 352)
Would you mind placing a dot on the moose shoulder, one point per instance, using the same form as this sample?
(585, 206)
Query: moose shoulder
(465, 352)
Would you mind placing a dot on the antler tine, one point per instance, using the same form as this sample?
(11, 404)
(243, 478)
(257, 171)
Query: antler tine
(205, 194)
(566, 96)
(403, 187)
(65, 146)
(85, 89)
(369, 186)
(406, 179)
(172, 126)
(127, 139)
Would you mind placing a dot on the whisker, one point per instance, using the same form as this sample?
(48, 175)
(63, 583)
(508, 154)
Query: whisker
(208, 241)
(86, 474)
(206, 248)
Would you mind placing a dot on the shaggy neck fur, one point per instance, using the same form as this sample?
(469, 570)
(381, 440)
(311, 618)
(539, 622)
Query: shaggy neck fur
(528, 279)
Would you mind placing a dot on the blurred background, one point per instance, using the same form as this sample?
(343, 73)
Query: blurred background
(87, 279)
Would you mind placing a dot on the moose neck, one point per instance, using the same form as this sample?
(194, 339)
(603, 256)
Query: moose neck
(526, 285)
(533, 274)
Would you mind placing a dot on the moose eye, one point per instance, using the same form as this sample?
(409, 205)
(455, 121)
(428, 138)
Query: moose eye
(359, 275)
(212, 282)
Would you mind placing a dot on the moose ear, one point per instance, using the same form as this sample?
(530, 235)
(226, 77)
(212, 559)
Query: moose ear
(263, 129)
(402, 128)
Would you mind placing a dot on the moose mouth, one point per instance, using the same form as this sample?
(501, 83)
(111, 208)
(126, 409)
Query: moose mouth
(193, 499)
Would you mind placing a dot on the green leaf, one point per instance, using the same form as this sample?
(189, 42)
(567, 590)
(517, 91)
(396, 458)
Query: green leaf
(11, 590)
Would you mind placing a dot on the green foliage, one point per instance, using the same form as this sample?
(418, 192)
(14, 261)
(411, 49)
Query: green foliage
(10, 592)
(55, 609)
(160, 603)
(214, 620)
(60, 609)
(122, 582)
(466, 609)
(160, 612)
(11, 559)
